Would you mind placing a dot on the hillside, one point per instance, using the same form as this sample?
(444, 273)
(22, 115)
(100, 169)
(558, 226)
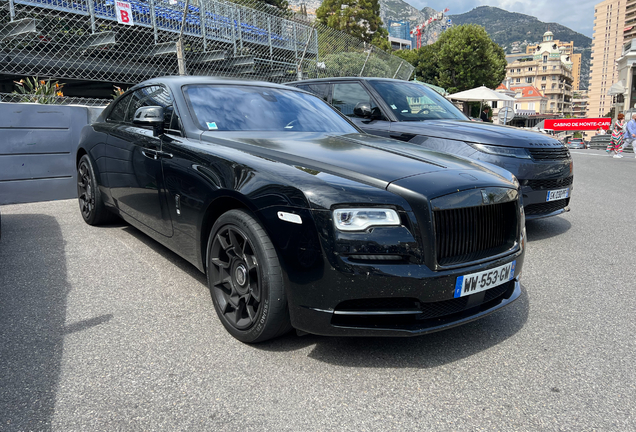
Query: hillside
(507, 27)
(514, 31)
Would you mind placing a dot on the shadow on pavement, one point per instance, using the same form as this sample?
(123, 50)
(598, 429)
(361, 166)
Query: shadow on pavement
(33, 291)
(425, 351)
(175, 259)
(541, 229)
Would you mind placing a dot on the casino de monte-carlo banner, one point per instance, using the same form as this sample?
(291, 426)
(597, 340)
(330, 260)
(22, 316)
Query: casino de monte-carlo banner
(577, 124)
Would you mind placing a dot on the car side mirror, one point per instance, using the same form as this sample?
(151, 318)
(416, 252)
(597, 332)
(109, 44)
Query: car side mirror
(150, 116)
(363, 109)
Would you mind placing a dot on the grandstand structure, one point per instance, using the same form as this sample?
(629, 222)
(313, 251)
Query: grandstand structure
(83, 40)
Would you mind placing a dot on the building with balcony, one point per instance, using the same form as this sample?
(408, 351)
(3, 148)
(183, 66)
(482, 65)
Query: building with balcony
(610, 24)
(574, 58)
(579, 104)
(549, 70)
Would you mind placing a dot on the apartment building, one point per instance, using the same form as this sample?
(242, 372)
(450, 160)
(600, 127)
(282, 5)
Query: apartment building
(549, 69)
(579, 104)
(574, 58)
(607, 43)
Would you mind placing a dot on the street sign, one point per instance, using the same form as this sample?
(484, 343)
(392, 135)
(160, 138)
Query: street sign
(123, 10)
(505, 115)
(571, 124)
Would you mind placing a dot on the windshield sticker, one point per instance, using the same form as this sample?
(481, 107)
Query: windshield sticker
(212, 126)
(393, 106)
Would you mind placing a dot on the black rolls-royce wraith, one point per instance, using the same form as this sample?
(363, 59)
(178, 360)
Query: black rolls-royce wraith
(298, 219)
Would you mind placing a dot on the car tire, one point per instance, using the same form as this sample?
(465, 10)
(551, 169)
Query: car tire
(245, 279)
(89, 196)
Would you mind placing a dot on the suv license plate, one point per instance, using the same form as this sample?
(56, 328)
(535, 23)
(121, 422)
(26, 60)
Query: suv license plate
(481, 281)
(558, 194)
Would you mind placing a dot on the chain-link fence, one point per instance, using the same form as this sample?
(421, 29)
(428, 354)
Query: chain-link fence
(82, 39)
(53, 100)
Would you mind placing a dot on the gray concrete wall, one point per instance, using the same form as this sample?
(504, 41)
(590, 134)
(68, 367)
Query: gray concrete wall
(37, 150)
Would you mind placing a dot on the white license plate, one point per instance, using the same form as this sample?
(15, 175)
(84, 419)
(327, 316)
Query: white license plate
(481, 281)
(558, 194)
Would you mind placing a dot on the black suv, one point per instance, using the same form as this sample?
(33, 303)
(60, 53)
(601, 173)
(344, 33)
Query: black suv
(415, 113)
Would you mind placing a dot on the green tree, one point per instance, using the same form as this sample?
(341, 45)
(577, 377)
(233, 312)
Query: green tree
(352, 64)
(468, 58)
(358, 18)
(463, 57)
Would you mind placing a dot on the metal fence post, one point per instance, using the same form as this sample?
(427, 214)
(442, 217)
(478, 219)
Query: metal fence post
(91, 12)
(11, 10)
(180, 56)
(398, 69)
(202, 16)
(317, 54)
(233, 29)
(294, 42)
(366, 60)
(240, 33)
(153, 19)
(269, 36)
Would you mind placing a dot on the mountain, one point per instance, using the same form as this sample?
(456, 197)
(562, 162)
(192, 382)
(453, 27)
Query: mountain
(507, 27)
(514, 31)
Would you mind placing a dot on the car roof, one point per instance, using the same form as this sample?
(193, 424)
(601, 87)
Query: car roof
(178, 81)
(336, 79)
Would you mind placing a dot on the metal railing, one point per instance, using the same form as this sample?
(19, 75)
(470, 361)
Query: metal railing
(82, 39)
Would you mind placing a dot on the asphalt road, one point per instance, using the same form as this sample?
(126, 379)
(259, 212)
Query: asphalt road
(103, 329)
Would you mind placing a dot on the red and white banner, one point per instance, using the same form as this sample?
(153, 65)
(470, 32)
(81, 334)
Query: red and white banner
(123, 10)
(573, 124)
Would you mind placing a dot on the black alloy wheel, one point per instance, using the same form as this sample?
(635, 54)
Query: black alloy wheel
(88, 194)
(235, 277)
(245, 279)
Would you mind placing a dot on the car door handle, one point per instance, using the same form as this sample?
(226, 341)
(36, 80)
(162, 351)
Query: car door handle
(156, 154)
(164, 155)
(150, 154)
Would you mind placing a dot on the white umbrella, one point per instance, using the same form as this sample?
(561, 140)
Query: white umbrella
(481, 95)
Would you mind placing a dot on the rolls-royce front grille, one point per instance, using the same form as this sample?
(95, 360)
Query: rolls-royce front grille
(549, 153)
(474, 233)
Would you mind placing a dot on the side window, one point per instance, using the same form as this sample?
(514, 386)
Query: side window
(320, 90)
(347, 96)
(119, 111)
(148, 96)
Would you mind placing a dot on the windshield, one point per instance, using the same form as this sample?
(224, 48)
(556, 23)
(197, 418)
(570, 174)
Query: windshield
(416, 102)
(253, 108)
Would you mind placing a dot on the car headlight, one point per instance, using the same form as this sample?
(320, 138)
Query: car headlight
(359, 219)
(502, 151)
(515, 181)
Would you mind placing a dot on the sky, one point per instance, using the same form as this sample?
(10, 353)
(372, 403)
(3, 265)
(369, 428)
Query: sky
(575, 14)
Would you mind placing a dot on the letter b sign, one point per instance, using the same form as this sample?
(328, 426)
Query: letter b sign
(123, 12)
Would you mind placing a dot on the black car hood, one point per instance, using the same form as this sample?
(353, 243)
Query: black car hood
(368, 159)
(476, 132)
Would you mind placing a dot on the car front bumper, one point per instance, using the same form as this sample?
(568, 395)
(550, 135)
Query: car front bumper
(395, 300)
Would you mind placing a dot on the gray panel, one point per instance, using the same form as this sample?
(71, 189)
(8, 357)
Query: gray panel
(36, 116)
(30, 141)
(37, 151)
(25, 191)
(23, 167)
